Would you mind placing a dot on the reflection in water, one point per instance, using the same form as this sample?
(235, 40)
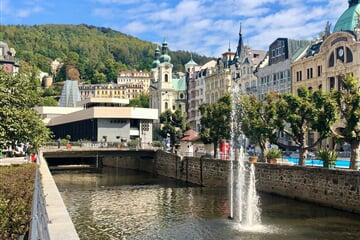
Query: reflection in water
(124, 204)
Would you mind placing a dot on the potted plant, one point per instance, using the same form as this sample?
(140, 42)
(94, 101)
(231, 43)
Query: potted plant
(68, 144)
(328, 157)
(272, 155)
(253, 159)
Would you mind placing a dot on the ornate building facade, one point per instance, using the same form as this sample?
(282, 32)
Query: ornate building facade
(136, 78)
(111, 90)
(167, 89)
(324, 64)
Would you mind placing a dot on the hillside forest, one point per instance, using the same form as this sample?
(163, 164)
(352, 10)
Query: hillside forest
(92, 54)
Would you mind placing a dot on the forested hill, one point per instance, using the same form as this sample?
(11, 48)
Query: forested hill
(98, 53)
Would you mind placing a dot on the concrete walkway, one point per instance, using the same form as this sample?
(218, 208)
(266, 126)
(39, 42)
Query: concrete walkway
(12, 160)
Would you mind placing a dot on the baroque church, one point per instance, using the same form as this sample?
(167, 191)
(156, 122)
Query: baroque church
(167, 88)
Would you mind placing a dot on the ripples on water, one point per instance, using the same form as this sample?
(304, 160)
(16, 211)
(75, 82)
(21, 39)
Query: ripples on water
(123, 204)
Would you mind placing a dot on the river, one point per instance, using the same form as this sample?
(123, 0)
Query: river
(115, 203)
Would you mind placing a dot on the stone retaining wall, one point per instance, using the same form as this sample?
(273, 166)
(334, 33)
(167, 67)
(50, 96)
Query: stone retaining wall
(338, 188)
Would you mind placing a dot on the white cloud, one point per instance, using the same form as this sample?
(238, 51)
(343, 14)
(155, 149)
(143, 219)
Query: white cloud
(202, 26)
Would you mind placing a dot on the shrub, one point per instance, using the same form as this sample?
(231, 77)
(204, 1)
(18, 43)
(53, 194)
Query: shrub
(273, 153)
(328, 157)
(16, 193)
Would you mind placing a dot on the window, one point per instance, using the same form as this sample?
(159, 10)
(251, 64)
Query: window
(166, 78)
(331, 60)
(309, 72)
(319, 71)
(298, 76)
(349, 56)
(332, 82)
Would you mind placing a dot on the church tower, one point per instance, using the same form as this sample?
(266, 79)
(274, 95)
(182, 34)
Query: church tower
(162, 93)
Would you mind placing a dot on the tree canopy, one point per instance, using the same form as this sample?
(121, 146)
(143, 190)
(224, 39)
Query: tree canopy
(19, 122)
(97, 53)
(216, 121)
(307, 111)
(348, 127)
(173, 124)
(257, 120)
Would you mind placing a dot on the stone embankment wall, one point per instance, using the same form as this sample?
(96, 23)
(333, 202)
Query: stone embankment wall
(338, 188)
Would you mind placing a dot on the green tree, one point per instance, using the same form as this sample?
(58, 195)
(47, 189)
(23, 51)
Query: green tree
(348, 127)
(216, 121)
(297, 115)
(19, 122)
(173, 124)
(142, 100)
(257, 120)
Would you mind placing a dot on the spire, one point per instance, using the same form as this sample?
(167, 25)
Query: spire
(240, 47)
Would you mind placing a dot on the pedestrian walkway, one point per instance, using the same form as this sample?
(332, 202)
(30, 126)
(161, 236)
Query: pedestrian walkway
(12, 160)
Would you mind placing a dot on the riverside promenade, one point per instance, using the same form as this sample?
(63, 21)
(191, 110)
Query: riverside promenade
(13, 160)
(52, 221)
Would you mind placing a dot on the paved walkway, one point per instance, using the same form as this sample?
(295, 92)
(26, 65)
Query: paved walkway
(12, 160)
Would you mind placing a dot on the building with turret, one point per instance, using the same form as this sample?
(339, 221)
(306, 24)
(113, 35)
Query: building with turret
(325, 62)
(243, 67)
(167, 89)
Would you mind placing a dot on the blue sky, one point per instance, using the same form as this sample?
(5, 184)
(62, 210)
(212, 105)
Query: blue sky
(206, 27)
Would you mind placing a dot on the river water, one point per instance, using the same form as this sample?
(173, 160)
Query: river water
(124, 204)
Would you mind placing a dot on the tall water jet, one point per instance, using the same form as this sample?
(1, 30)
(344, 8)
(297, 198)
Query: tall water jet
(244, 200)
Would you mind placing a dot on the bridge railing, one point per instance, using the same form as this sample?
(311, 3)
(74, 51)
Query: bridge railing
(39, 217)
(76, 145)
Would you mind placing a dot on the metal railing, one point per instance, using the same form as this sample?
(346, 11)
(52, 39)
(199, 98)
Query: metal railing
(39, 217)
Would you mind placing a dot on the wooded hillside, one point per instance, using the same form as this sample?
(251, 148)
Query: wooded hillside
(98, 53)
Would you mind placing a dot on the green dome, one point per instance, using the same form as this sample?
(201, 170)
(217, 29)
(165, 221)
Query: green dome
(165, 58)
(349, 19)
(155, 63)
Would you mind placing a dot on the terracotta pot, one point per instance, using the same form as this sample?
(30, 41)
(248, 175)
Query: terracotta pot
(273, 161)
(68, 146)
(253, 159)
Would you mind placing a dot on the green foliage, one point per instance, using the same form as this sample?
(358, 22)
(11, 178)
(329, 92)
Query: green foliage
(273, 153)
(172, 123)
(257, 120)
(97, 53)
(16, 193)
(216, 121)
(20, 123)
(349, 130)
(133, 143)
(328, 157)
(308, 111)
(141, 100)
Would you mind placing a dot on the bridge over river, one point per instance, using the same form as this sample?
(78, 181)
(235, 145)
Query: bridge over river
(93, 155)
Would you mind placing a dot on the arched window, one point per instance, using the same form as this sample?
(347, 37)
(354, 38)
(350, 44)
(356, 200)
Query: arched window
(166, 105)
(349, 56)
(166, 78)
(331, 60)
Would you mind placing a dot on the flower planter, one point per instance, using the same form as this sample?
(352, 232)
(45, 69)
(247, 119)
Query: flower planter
(272, 161)
(68, 146)
(253, 159)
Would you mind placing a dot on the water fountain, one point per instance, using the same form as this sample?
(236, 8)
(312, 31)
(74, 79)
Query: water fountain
(244, 200)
